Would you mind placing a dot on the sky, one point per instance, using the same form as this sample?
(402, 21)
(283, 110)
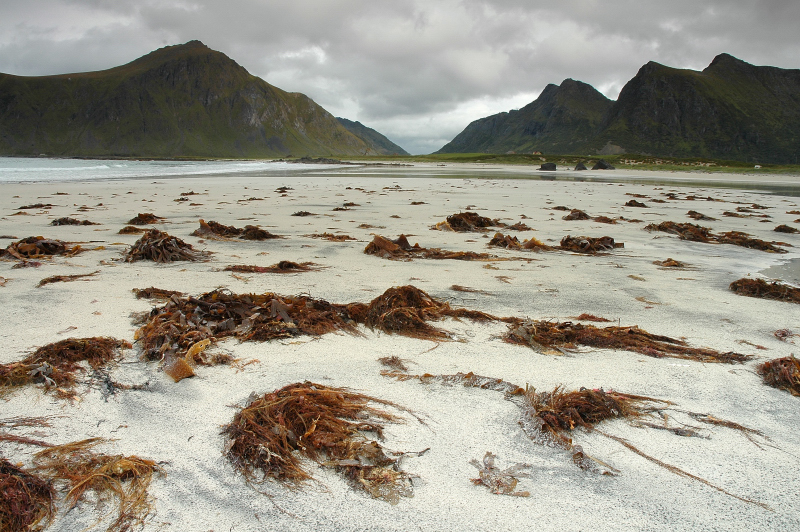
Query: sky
(418, 71)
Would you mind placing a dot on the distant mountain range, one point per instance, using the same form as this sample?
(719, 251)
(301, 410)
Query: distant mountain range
(178, 101)
(730, 110)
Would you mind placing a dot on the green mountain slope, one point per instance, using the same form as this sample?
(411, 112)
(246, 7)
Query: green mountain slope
(730, 110)
(378, 143)
(561, 120)
(184, 100)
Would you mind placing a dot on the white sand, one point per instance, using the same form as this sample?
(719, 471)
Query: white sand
(180, 423)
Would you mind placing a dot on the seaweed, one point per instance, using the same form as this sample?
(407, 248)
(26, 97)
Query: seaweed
(670, 263)
(65, 278)
(590, 245)
(576, 214)
(394, 362)
(131, 230)
(468, 380)
(554, 337)
(782, 373)
(72, 221)
(634, 203)
(268, 438)
(699, 216)
(162, 247)
(505, 241)
(763, 289)
(284, 266)
(155, 293)
(26, 500)
(467, 222)
(786, 229)
(783, 334)
(604, 220)
(519, 226)
(124, 478)
(38, 247)
(697, 233)
(217, 230)
(303, 213)
(500, 481)
(590, 317)
(145, 218)
(400, 249)
(38, 206)
(331, 237)
(56, 364)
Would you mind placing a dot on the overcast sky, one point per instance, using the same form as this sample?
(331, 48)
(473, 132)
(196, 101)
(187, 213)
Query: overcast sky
(418, 71)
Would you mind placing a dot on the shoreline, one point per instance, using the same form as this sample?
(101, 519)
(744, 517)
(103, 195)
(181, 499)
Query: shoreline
(179, 423)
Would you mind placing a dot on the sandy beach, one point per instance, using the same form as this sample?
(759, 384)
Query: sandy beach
(179, 424)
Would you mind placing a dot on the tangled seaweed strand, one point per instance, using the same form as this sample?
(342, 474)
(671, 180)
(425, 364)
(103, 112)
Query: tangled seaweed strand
(38, 247)
(400, 249)
(217, 230)
(284, 266)
(65, 278)
(761, 288)
(575, 214)
(467, 222)
(145, 218)
(124, 478)
(587, 244)
(162, 247)
(782, 373)
(155, 293)
(56, 364)
(500, 481)
(26, 500)
(268, 437)
(698, 233)
(131, 230)
(71, 221)
(550, 337)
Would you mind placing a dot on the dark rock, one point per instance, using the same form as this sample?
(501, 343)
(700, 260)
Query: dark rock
(602, 165)
(548, 167)
(580, 167)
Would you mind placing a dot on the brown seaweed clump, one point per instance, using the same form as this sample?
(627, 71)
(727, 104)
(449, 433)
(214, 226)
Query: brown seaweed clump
(744, 240)
(697, 233)
(786, 229)
(55, 365)
(505, 241)
(268, 438)
(145, 218)
(670, 263)
(401, 249)
(576, 214)
(65, 278)
(553, 337)
(699, 216)
(155, 293)
(38, 247)
(124, 478)
(467, 222)
(284, 266)
(26, 500)
(131, 230)
(331, 237)
(159, 246)
(217, 230)
(500, 481)
(782, 373)
(71, 221)
(634, 203)
(763, 289)
(587, 244)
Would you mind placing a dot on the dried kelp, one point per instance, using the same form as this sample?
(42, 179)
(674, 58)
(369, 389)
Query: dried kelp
(464, 222)
(38, 206)
(162, 247)
(500, 481)
(699, 216)
(72, 221)
(284, 266)
(401, 250)
(505, 241)
(55, 365)
(65, 278)
(178, 332)
(123, 478)
(786, 229)
(763, 289)
(634, 203)
(145, 218)
(155, 293)
(519, 226)
(670, 263)
(697, 233)
(131, 230)
(590, 317)
(604, 220)
(26, 500)
(576, 214)
(587, 244)
(303, 213)
(407, 310)
(536, 245)
(547, 337)
(268, 438)
(468, 380)
(217, 230)
(331, 237)
(38, 247)
(394, 362)
(783, 373)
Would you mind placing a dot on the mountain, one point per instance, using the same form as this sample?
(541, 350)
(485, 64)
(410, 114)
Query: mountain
(378, 143)
(184, 100)
(730, 110)
(561, 120)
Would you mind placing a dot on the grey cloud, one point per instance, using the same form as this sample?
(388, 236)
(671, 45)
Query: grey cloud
(414, 70)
